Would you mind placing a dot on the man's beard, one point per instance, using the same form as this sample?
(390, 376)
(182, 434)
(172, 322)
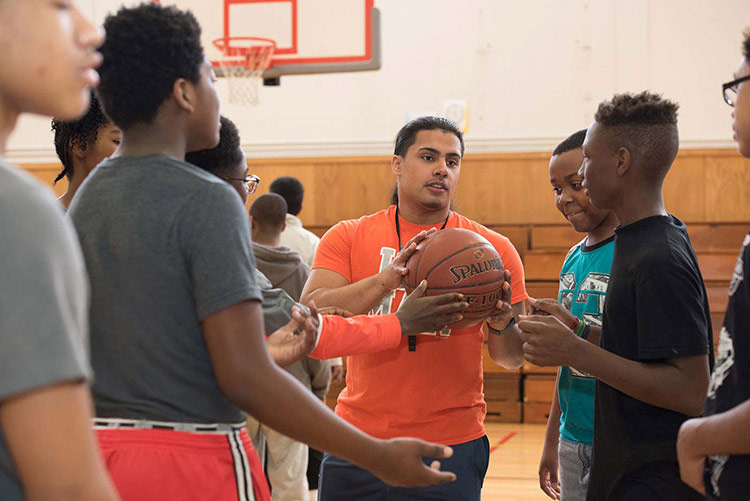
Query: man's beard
(435, 204)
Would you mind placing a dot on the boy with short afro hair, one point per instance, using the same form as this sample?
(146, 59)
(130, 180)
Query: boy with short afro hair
(653, 364)
(176, 319)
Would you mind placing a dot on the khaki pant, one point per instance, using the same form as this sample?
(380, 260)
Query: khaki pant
(287, 462)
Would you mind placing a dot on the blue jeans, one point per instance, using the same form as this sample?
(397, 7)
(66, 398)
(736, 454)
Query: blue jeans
(575, 465)
(341, 480)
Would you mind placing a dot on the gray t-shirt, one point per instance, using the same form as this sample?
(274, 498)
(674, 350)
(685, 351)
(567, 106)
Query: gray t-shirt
(166, 245)
(43, 299)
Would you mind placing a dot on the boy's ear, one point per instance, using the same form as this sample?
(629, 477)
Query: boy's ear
(623, 161)
(183, 91)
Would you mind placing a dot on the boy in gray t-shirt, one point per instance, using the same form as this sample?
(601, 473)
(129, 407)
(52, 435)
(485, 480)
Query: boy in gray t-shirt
(176, 318)
(47, 448)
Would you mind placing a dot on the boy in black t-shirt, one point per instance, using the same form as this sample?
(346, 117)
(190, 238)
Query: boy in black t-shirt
(653, 365)
(714, 451)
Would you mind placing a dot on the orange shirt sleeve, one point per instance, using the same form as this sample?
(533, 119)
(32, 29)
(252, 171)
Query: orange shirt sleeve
(334, 249)
(342, 337)
(511, 261)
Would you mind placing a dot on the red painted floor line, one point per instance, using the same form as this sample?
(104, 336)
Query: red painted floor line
(501, 442)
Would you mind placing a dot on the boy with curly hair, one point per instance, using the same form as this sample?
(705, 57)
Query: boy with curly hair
(177, 335)
(653, 364)
(82, 144)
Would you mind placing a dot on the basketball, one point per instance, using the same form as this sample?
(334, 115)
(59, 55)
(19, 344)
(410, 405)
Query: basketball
(458, 260)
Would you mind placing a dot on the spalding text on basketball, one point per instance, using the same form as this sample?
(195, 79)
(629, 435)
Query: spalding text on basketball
(464, 271)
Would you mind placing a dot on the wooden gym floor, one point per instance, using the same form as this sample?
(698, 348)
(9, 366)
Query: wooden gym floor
(515, 449)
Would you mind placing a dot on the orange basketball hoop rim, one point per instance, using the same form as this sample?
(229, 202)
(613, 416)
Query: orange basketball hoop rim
(256, 51)
(245, 60)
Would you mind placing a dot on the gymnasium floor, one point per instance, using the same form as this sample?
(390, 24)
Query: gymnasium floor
(514, 458)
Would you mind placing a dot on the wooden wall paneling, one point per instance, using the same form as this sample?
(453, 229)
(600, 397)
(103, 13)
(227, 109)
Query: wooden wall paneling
(538, 391)
(717, 321)
(717, 266)
(46, 173)
(536, 412)
(717, 237)
(560, 237)
(336, 188)
(318, 230)
(543, 265)
(704, 186)
(538, 388)
(502, 387)
(727, 180)
(529, 368)
(302, 169)
(517, 234)
(685, 188)
(503, 411)
(542, 290)
(353, 190)
(513, 191)
(718, 296)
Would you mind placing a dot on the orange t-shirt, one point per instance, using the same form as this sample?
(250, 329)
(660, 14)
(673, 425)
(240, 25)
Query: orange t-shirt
(435, 392)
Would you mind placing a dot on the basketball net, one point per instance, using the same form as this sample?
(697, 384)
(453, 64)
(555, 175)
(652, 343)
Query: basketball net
(243, 68)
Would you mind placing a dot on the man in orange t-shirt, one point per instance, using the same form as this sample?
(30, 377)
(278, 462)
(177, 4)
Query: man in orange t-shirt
(427, 386)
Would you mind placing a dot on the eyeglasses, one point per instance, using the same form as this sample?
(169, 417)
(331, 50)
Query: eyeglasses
(251, 182)
(729, 90)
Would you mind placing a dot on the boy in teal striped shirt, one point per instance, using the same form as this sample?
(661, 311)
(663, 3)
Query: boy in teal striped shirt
(583, 284)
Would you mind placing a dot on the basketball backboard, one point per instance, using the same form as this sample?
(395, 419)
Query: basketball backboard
(311, 36)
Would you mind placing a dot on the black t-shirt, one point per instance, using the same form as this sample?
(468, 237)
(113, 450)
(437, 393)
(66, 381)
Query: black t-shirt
(728, 477)
(656, 308)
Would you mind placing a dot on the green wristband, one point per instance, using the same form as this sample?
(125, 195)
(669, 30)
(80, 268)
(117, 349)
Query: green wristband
(580, 327)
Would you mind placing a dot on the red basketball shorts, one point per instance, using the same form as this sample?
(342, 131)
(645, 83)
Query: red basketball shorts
(161, 465)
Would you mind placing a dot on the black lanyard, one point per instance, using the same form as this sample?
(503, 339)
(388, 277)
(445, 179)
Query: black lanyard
(398, 227)
(412, 338)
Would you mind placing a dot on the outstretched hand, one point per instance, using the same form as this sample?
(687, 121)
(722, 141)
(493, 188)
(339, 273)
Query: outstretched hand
(393, 276)
(552, 307)
(399, 463)
(419, 313)
(296, 339)
(547, 342)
